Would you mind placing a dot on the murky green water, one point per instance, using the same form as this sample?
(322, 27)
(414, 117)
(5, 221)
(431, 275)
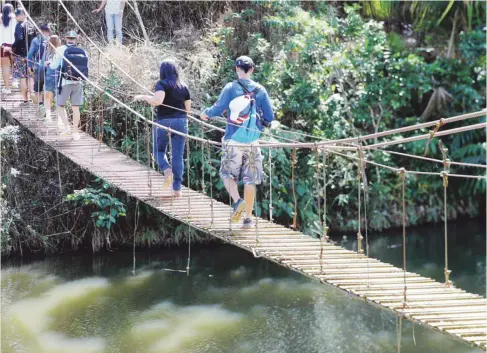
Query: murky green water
(230, 302)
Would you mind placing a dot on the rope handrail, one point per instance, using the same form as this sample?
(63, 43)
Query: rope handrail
(427, 136)
(397, 170)
(145, 88)
(327, 144)
(118, 100)
(461, 164)
(353, 139)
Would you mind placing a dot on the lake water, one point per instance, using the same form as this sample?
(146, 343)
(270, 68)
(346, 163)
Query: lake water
(230, 302)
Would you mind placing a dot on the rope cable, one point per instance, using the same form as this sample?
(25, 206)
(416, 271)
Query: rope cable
(188, 165)
(444, 175)
(359, 189)
(271, 208)
(439, 122)
(402, 174)
(293, 166)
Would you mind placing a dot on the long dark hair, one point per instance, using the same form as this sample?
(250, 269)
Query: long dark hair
(7, 10)
(169, 73)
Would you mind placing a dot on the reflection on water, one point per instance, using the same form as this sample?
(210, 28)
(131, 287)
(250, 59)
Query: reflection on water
(230, 302)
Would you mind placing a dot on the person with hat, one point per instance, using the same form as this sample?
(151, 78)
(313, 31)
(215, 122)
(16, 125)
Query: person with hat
(34, 57)
(250, 111)
(71, 60)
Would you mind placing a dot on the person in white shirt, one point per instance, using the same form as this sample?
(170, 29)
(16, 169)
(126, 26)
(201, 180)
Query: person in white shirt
(113, 15)
(7, 37)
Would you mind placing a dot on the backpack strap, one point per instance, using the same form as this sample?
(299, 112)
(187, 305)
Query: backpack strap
(253, 93)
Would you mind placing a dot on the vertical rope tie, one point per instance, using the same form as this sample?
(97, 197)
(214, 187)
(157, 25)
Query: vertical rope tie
(188, 165)
(324, 237)
(111, 128)
(188, 173)
(210, 168)
(203, 187)
(317, 186)
(147, 143)
(136, 139)
(135, 232)
(444, 175)
(169, 155)
(402, 174)
(363, 165)
(101, 123)
(253, 156)
(325, 226)
(271, 208)
(126, 135)
(293, 166)
(360, 249)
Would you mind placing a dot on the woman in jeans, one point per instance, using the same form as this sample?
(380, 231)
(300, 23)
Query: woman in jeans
(51, 76)
(173, 102)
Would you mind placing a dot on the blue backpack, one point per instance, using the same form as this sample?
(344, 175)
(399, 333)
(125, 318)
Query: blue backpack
(77, 57)
(252, 124)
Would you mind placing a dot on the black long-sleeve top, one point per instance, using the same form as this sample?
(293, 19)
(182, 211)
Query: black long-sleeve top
(19, 46)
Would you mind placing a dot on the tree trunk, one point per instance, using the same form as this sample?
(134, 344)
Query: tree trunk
(452, 37)
(141, 23)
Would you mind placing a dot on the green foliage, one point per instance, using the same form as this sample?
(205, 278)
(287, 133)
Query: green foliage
(332, 77)
(339, 77)
(105, 208)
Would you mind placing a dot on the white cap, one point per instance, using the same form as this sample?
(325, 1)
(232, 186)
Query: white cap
(236, 106)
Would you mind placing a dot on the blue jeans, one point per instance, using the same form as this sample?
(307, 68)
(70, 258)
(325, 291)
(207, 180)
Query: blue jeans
(114, 22)
(161, 141)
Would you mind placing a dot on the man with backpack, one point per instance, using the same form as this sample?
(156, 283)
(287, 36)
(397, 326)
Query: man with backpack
(250, 111)
(70, 59)
(34, 57)
(24, 34)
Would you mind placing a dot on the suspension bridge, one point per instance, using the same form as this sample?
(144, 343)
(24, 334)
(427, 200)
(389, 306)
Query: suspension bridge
(439, 306)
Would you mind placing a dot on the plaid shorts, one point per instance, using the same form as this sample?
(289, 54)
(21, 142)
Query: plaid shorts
(20, 67)
(245, 162)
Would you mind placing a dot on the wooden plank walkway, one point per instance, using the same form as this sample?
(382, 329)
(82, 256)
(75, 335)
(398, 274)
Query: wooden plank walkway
(452, 311)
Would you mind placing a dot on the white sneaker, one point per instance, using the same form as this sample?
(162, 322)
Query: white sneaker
(15, 84)
(6, 90)
(65, 132)
(76, 136)
(47, 117)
